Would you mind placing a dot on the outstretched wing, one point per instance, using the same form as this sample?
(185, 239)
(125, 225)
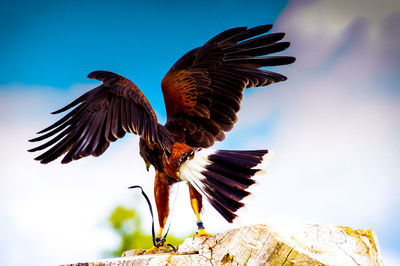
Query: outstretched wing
(203, 89)
(101, 115)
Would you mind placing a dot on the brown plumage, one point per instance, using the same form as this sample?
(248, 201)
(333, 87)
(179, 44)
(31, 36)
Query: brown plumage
(202, 93)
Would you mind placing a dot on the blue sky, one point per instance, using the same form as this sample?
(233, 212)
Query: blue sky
(334, 124)
(57, 43)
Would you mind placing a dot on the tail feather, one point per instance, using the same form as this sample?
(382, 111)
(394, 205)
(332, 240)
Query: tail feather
(223, 177)
(226, 213)
(225, 189)
(239, 182)
(238, 160)
(225, 202)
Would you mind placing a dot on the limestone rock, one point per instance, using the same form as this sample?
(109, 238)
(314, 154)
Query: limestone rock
(268, 245)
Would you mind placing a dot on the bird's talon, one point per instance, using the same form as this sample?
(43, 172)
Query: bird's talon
(201, 233)
(159, 248)
(150, 250)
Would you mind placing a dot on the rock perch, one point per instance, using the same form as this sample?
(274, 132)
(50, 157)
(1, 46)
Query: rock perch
(268, 245)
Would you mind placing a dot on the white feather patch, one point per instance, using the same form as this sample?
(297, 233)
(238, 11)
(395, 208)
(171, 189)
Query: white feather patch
(192, 168)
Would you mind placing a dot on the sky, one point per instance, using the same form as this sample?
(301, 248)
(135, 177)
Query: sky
(334, 124)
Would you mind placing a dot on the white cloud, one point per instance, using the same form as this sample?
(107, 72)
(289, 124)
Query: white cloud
(391, 259)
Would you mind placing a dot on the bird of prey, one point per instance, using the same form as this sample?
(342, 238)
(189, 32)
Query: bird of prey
(202, 93)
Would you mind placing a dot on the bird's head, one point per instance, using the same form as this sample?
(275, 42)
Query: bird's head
(152, 154)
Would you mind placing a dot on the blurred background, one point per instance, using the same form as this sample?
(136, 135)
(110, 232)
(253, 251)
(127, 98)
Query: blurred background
(334, 124)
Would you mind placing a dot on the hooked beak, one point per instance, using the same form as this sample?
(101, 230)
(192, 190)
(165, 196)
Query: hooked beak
(148, 166)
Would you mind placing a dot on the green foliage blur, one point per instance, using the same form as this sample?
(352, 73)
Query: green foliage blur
(126, 223)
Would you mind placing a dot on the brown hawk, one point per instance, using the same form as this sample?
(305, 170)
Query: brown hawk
(202, 92)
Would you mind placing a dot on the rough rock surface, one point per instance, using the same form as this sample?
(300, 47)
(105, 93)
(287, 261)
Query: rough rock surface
(268, 245)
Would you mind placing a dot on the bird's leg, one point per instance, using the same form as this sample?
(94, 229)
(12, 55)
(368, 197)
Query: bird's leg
(197, 205)
(161, 194)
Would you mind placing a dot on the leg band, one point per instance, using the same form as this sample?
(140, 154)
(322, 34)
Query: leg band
(200, 224)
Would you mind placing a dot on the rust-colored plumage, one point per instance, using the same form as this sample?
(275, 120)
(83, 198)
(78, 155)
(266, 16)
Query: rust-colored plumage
(202, 93)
